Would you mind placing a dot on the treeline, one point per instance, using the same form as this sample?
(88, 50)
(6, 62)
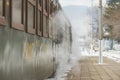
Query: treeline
(112, 18)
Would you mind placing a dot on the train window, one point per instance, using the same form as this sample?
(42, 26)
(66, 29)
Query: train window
(48, 7)
(31, 18)
(44, 25)
(40, 17)
(45, 18)
(1, 7)
(39, 23)
(45, 4)
(50, 29)
(47, 25)
(17, 13)
(40, 2)
(2, 12)
(51, 7)
(30, 15)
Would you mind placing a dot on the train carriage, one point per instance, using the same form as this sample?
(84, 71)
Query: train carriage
(35, 37)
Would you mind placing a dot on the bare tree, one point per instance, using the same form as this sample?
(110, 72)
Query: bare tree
(112, 18)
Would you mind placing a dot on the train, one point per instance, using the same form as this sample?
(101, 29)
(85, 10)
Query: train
(35, 38)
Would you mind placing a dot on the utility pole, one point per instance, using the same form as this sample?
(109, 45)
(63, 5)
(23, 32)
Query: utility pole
(92, 25)
(100, 32)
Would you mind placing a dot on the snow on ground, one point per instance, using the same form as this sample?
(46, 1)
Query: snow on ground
(80, 51)
(64, 69)
(61, 72)
(116, 47)
(112, 54)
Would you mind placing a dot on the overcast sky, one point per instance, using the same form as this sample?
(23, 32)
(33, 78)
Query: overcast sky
(79, 2)
(79, 19)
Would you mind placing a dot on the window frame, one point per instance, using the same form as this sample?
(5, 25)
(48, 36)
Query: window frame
(46, 13)
(40, 26)
(15, 25)
(31, 30)
(51, 7)
(3, 17)
(23, 25)
(51, 14)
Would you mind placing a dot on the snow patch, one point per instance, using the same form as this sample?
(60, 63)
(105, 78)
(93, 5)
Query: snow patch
(113, 54)
(117, 47)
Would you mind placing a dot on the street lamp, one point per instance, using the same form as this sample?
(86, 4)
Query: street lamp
(100, 33)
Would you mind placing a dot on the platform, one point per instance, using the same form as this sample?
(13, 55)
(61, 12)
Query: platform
(89, 69)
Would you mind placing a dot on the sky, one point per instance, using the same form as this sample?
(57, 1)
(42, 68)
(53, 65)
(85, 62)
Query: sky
(79, 2)
(84, 19)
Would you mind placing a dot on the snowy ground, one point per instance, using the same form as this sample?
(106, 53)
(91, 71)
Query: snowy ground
(114, 55)
(62, 72)
(64, 69)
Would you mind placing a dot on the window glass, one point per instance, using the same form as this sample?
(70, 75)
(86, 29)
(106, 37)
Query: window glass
(45, 4)
(39, 21)
(51, 7)
(1, 7)
(40, 2)
(30, 16)
(44, 24)
(24, 12)
(47, 25)
(17, 10)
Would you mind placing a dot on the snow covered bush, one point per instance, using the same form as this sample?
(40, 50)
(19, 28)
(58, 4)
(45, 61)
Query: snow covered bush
(117, 47)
